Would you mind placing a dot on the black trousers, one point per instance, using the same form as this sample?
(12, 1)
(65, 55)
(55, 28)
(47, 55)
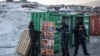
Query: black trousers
(83, 43)
(34, 50)
(65, 51)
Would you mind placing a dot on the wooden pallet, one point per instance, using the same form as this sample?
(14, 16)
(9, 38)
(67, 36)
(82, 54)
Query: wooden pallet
(24, 44)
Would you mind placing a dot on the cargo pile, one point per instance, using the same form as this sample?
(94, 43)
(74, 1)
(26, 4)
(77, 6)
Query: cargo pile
(47, 39)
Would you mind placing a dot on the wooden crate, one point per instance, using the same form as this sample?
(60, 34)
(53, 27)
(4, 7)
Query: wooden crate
(24, 44)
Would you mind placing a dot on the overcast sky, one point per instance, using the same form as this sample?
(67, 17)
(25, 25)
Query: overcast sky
(67, 2)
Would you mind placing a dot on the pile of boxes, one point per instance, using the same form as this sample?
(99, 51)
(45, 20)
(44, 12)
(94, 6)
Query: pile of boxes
(47, 39)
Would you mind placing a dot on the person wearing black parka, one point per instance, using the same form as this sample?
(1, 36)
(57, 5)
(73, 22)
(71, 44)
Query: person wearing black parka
(64, 38)
(80, 38)
(34, 36)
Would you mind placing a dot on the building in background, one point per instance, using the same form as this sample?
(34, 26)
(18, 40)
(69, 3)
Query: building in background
(23, 0)
(9, 0)
(13, 0)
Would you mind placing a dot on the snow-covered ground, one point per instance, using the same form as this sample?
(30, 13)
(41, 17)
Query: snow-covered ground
(93, 47)
(13, 20)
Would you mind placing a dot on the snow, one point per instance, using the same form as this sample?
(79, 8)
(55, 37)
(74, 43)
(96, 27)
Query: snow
(12, 26)
(13, 20)
(62, 9)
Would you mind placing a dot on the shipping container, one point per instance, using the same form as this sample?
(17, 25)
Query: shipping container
(58, 18)
(95, 25)
(71, 20)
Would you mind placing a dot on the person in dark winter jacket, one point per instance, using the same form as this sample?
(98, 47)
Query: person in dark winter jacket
(80, 37)
(34, 35)
(64, 38)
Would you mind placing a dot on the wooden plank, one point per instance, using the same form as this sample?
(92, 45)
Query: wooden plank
(24, 44)
(18, 47)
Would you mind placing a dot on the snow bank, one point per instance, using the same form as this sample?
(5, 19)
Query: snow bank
(13, 20)
(12, 24)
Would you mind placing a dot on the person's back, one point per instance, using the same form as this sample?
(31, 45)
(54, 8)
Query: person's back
(64, 39)
(65, 34)
(34, 36)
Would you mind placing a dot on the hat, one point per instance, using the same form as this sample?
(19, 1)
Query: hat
(63, 23)
(80, 23)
